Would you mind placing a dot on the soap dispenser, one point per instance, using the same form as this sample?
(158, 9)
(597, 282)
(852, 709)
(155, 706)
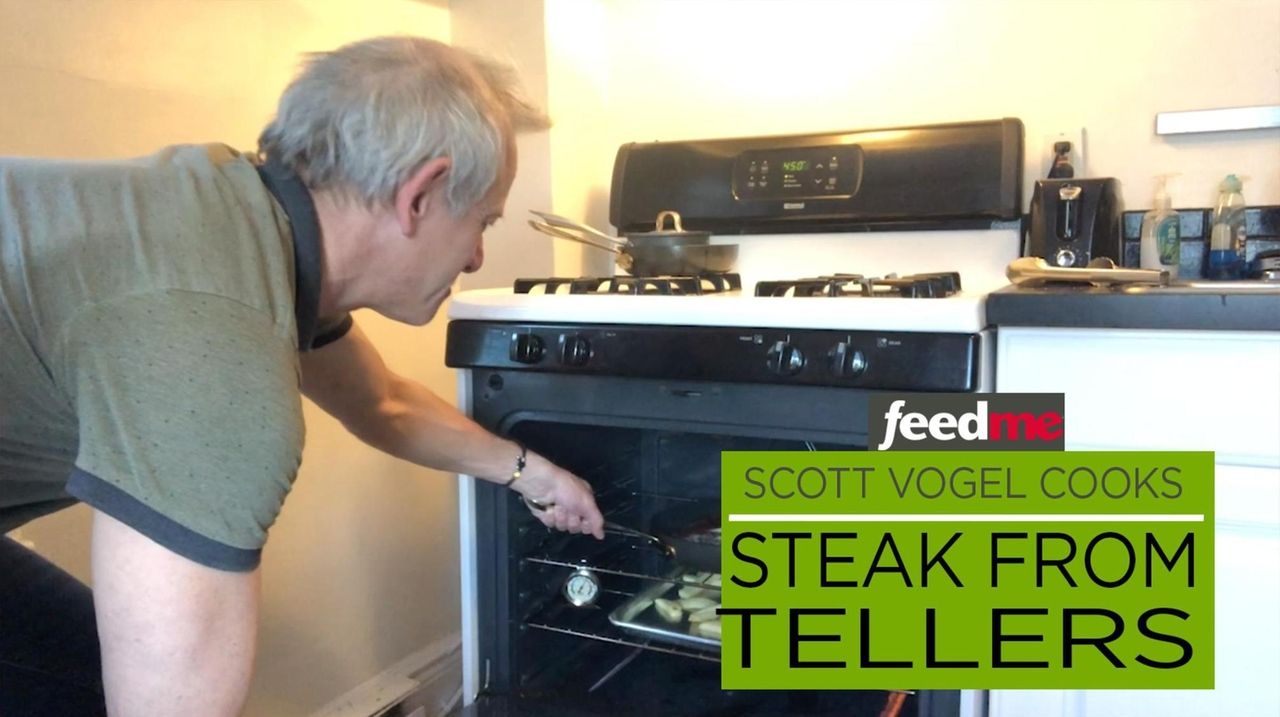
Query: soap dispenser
(1161, 246)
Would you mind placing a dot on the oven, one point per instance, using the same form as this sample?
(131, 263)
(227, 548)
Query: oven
(647, 444)
(638, 384)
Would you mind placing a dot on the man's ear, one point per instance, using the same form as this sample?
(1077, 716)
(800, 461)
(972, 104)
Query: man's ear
(415, 196)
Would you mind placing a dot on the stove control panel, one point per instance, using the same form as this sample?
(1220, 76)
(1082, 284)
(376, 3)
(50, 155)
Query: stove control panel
(882, 360)
(799, 173)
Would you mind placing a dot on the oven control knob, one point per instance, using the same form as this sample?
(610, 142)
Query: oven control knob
(845, 361)
(574, 351)
(527, 348)
(784, 359)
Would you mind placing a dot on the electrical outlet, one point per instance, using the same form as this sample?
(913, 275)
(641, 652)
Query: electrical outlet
(1076, 137)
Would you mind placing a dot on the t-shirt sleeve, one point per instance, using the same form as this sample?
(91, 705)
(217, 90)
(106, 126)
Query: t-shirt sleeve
(190, 420)
(330, 329)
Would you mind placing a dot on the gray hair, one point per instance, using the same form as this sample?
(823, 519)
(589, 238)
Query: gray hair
(361, 119)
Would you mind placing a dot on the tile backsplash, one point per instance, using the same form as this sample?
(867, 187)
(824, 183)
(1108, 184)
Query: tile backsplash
(1262, 226)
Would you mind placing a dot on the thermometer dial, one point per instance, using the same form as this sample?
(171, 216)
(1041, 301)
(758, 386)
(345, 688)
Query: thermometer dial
(581, 587)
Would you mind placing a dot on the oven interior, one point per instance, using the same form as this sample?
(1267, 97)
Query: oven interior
(541, 654)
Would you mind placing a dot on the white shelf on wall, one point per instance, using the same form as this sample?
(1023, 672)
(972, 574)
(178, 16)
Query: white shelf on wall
(1219, 120)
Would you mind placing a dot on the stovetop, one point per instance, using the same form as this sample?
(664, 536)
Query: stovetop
(835, 301)
(633, 285)
(912, 286)
(936, 285)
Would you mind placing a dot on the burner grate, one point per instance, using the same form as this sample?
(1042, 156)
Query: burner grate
(913, 286)
(639, 285)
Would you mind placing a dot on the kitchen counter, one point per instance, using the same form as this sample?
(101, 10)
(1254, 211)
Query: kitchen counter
(1246, 307)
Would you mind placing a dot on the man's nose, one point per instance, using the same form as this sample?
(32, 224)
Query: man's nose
(477, 260)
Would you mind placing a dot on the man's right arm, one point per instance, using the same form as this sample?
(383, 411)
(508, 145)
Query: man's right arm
(177, 637)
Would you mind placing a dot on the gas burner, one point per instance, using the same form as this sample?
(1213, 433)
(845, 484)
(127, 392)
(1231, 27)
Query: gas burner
(913, 286)
(647, 285)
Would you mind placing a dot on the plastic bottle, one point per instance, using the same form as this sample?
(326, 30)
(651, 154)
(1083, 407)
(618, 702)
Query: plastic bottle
(1161, 246)
(1227, 236)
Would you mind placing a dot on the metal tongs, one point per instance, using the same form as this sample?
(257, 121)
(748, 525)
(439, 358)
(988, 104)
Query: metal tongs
(1032, 271)
(610, 527)
(667, 549)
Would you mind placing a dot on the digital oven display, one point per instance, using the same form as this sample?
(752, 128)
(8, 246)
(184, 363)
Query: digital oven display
(824, 172)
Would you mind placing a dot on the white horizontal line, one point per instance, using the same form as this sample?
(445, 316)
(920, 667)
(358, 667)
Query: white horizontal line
(966, 517)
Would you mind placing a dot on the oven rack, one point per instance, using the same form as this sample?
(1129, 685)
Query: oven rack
(640, 644)
(619, 572)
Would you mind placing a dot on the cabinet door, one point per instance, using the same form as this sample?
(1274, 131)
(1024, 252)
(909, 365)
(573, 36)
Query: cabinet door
(1246, 628)
(1155, 391)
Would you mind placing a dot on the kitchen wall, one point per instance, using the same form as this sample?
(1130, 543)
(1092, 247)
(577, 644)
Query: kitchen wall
(634, 70)
(360, 569)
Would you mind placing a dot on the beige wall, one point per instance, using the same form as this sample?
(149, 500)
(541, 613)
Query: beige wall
(513, 32)
(633, 70)
(360, 569)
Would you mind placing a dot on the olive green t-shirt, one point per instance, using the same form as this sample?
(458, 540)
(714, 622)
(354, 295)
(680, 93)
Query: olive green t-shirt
(150, 321)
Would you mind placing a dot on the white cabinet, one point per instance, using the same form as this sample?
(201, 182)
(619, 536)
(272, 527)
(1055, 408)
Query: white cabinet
(1177, 390)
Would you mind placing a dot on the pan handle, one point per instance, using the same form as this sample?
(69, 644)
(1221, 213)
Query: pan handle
(565, 234)
(560, 222)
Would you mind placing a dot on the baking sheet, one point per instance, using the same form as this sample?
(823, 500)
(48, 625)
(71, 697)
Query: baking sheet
(638, 616)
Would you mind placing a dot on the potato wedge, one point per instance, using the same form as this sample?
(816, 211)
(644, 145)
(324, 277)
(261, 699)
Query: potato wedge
(693, 604)
(705, 614)
(710, 628)
(689, 591)
(669, 610)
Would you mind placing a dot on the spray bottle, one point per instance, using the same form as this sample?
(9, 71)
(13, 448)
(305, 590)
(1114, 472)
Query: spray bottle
(1161, 246)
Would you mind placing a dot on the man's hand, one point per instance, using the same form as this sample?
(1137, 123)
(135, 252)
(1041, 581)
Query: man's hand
(568, 501)
(177, 637)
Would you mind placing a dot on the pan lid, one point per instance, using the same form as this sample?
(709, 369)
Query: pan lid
(677, 232)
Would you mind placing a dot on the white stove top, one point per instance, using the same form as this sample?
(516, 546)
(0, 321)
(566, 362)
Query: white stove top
(959, 313)
(979, 256)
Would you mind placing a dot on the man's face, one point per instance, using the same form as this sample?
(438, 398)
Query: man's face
(444, 246)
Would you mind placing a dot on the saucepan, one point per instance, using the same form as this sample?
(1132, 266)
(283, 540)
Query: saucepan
(657, 253)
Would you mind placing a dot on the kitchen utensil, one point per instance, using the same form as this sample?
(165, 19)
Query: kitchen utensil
(687, 533)
(1033, 270)
(1074, 221)
(660, 235)
(666, 548)
(657, 259)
